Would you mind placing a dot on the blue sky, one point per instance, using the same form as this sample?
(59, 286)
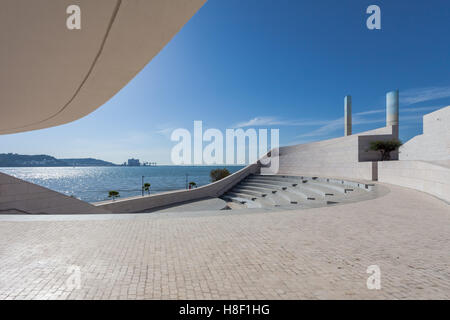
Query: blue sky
(271, 64)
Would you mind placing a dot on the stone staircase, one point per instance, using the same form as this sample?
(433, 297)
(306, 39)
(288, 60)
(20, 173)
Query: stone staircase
(274, 191)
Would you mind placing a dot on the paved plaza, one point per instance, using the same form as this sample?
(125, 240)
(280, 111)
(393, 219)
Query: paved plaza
(318, 253)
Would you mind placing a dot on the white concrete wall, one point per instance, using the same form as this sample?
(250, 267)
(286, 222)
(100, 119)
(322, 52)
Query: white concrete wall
(18, 196)
(346, 157)
(434, 143)
(139, 203)
(420, 175)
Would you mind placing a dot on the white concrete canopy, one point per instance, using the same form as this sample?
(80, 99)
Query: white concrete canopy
(51, 75)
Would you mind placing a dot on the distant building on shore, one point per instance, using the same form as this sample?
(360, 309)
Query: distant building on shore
(133, 162)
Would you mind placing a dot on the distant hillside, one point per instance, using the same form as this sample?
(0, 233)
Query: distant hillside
(42, 160)
(19, 160)
(88, 162)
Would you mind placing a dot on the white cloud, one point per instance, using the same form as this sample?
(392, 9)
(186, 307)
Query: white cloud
(402, 110)
(338, 124)
(273, 121)
(419, 109)
(363, 113)
(331, 126)
(412, 96)
(260, 121)
(166, 131)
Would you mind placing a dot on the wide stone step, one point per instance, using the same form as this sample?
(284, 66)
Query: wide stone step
(333, 181)
(242, 195)
(286, 192)
(279, 198)
(340, 182)
(316, 189)
(275, 178)
(249, 191)
(257, 188)
(271, 183)
(248, 203)
(302, 193)
(331, 186)
(266, 202)
(268, 187)
(286, 196)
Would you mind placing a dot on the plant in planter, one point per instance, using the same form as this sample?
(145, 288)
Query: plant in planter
(385, 147)
(218, 174)
(113, 194)
(192, 185)
(147, 187)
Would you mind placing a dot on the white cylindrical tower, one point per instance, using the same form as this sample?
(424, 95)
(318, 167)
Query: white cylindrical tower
(348, 115)
(392, 108)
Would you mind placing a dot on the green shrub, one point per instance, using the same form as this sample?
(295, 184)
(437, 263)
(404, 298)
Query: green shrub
(385, 147)
(113, 194)
(218, 174)
(192, 185)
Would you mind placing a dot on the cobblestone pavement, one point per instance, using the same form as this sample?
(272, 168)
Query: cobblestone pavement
(305, 254)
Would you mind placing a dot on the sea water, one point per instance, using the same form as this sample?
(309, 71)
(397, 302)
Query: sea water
(93, 183)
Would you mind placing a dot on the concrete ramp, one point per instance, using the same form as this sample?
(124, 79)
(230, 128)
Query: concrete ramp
(22, 197)
(196, 205)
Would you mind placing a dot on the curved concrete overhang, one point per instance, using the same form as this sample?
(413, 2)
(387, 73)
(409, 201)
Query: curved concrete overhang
(51, 75)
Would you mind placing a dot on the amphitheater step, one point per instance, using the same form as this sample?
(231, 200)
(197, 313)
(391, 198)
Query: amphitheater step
(341, 189)
(261, 190)
(248, 191)
(316, 189)
(265, 191)
(248, 203)
(242, 195)
(266, 183)
(274, 181)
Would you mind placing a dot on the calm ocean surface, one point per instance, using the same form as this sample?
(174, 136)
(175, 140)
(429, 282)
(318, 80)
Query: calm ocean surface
(93, 183)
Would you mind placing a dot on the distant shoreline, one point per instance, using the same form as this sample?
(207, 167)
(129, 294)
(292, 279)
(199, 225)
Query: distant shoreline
(14, 160)
(122, 166)
(43, 160)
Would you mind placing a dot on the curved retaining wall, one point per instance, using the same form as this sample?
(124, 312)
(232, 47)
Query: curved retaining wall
(215, 189)
(424, 176)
